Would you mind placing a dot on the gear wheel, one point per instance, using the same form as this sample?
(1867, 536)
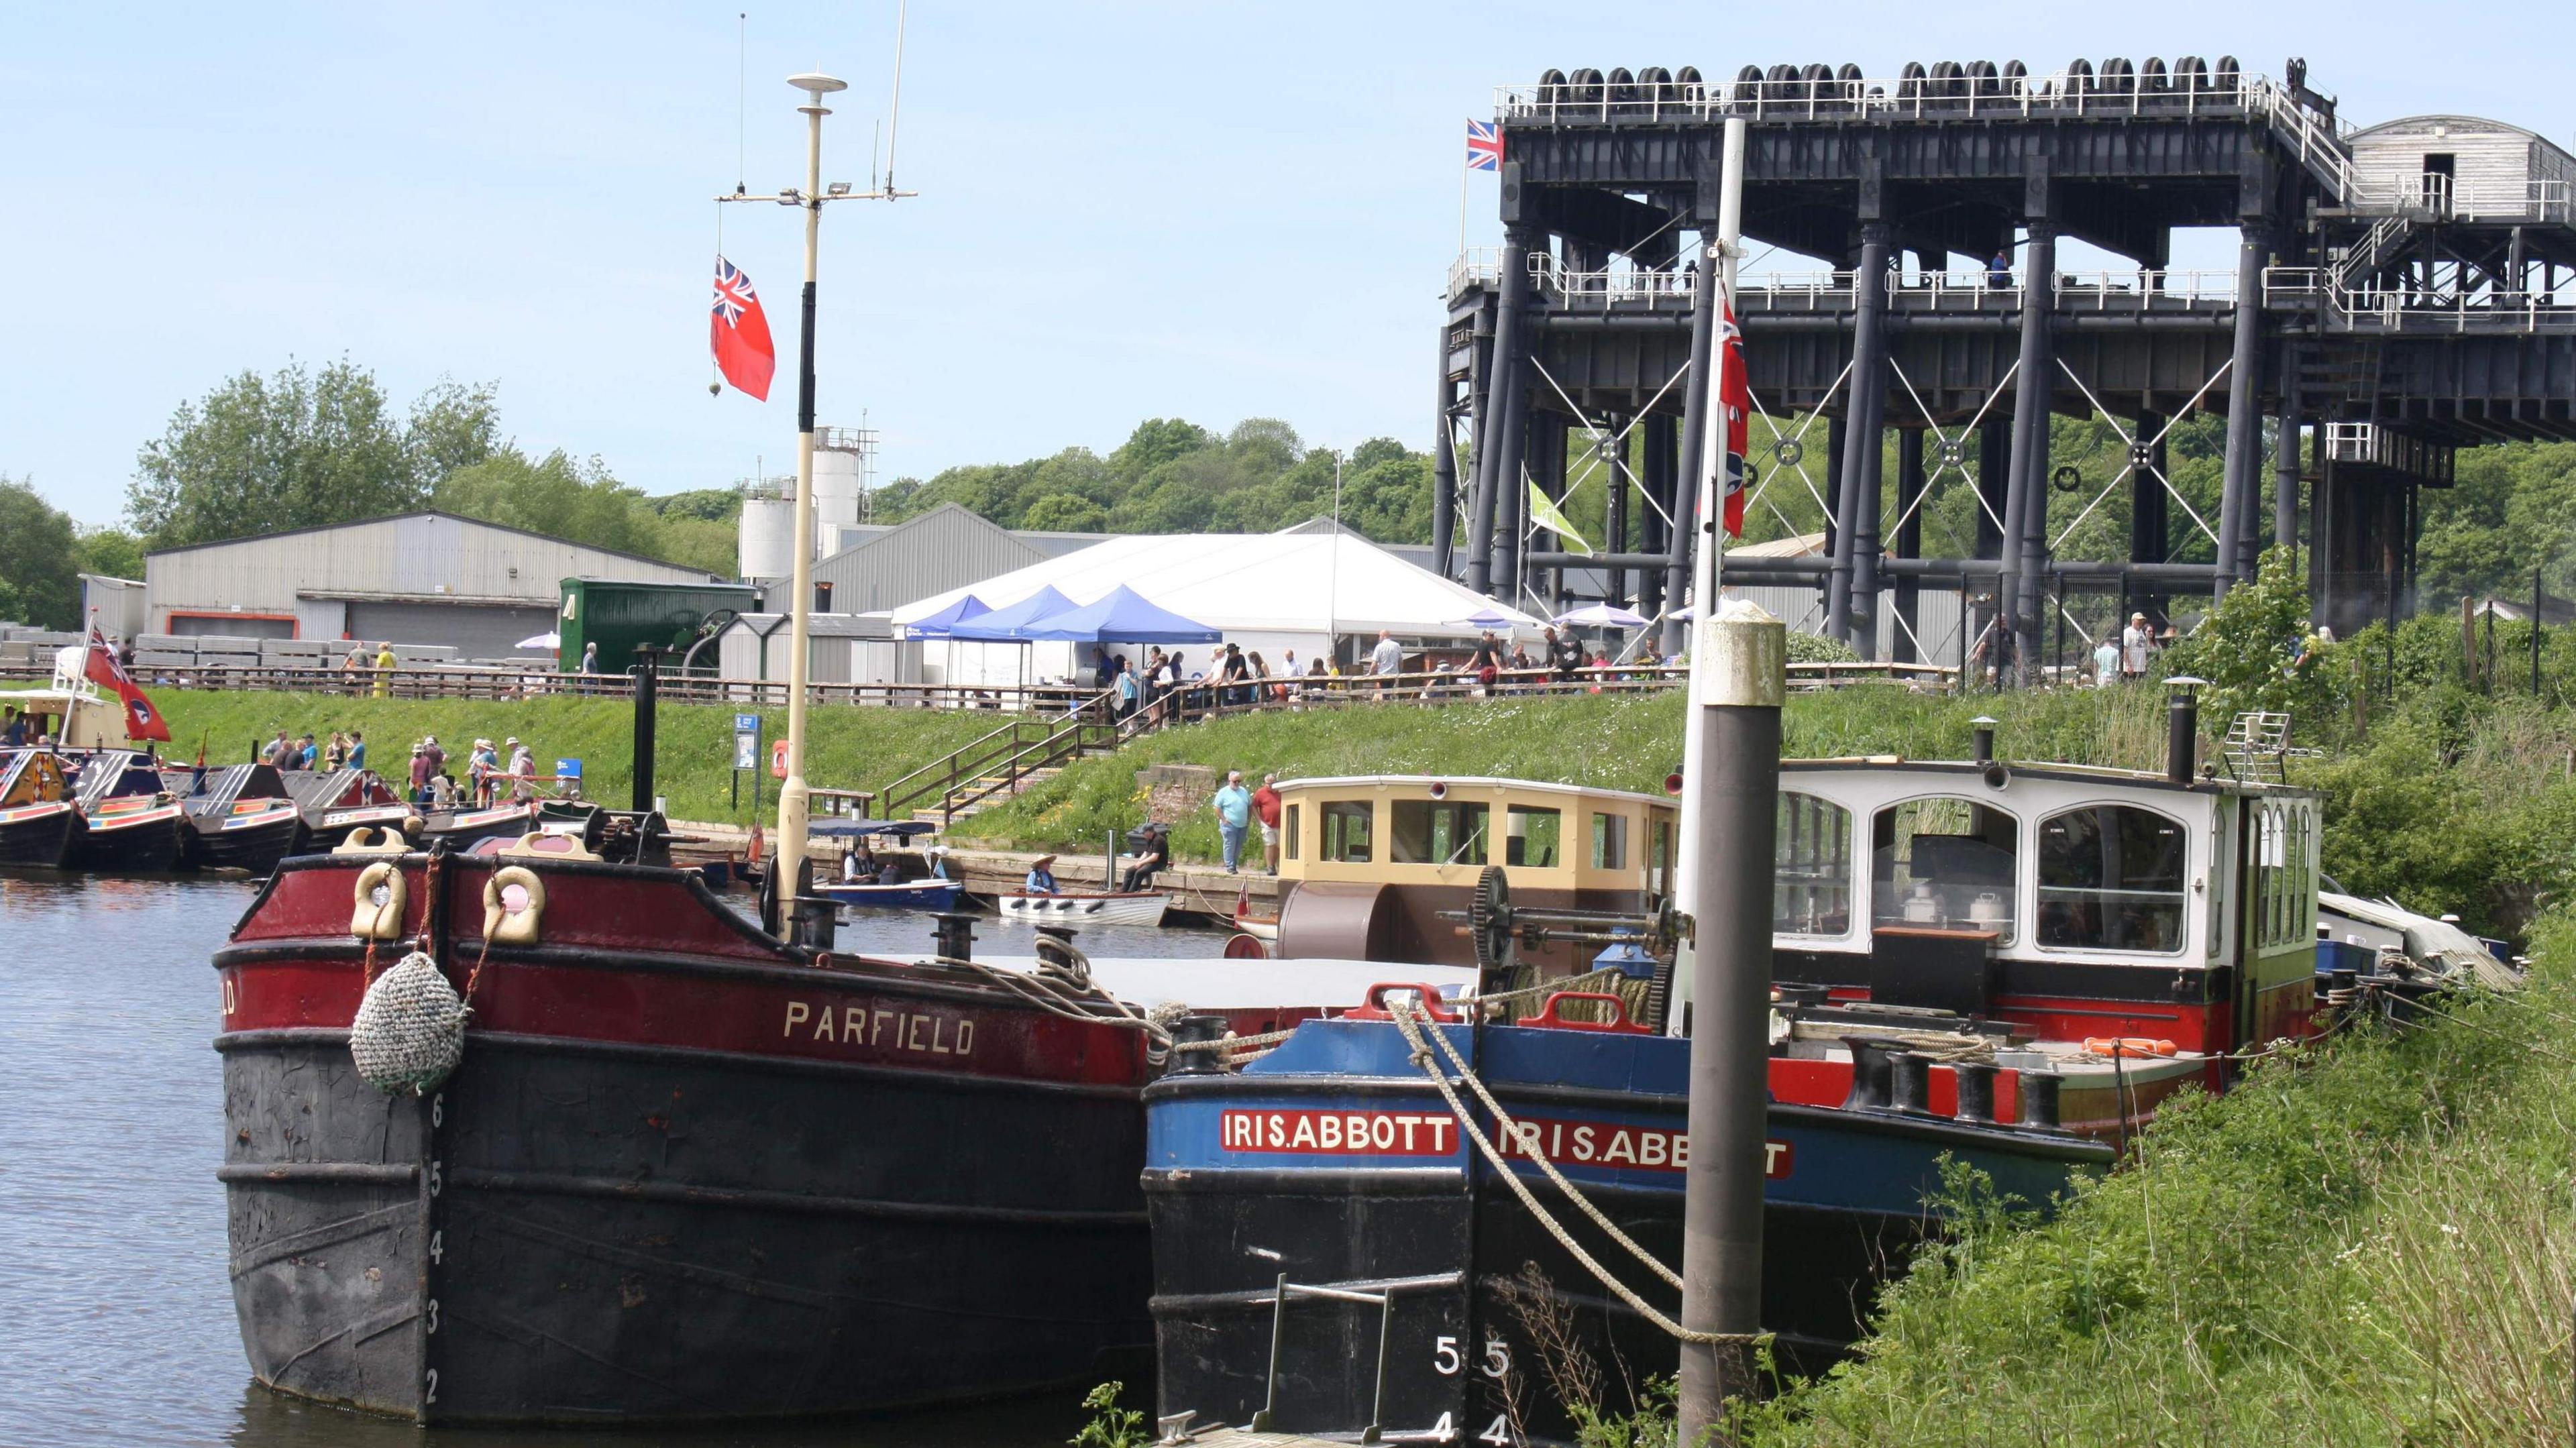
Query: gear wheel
(1489, 923)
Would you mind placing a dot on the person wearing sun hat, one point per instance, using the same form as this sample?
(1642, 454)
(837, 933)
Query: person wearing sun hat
(1041, 880)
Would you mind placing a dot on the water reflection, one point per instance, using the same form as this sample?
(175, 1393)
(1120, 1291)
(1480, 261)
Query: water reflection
(115, 1307)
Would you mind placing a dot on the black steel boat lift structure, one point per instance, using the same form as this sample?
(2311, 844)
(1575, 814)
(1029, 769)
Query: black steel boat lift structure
(2394, 298)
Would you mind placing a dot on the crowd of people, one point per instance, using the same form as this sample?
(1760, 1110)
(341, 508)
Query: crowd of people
(1171, 686)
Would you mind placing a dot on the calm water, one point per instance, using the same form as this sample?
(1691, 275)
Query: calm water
(116, 1315)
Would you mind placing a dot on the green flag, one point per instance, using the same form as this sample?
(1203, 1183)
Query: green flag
(1544, 513)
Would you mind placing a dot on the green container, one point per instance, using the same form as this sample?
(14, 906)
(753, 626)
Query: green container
(621, 616)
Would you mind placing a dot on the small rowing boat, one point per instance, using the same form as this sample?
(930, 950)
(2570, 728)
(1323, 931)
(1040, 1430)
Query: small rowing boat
(927, 893)
(1118, 907)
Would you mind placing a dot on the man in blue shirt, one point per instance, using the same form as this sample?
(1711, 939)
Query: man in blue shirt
(357, 750)
(1233, 817)
(1041, 880)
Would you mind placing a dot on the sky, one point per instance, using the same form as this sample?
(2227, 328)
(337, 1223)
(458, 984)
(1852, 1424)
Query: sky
(1126, 210)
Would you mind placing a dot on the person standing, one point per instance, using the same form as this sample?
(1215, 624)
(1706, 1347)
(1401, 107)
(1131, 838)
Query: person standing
(353, 666)
(2136, 642)
(336, 754)
(2106, 663)
(421, 774)
(479, 764)
(1387, 659)
(1999, 276)
(590, 657)
(357, 749)
(282, 752)
(523, 773)
(437, 755)
(1265, 808)
(385, 662)
(1129, 688)
(1487, 661)
(1564, 655)
(1233, 805)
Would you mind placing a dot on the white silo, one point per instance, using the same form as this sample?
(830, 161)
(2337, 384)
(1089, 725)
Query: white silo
(841, 457)
(768, 537)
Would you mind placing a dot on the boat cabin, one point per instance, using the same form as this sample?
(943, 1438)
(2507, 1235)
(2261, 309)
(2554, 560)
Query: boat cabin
(31, 776)
(70, 718)
(2075, 902)
(1371, 863)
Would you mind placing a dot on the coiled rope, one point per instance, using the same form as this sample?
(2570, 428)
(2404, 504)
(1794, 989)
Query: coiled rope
(1408, 1020)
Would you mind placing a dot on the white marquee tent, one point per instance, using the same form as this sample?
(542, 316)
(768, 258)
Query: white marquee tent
(1269, 592)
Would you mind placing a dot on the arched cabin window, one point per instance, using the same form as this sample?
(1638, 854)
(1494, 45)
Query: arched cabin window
(1945, 864)
(2112, 877)
(1811, 874)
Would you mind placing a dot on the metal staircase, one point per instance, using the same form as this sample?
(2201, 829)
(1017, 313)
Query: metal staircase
(999, 765)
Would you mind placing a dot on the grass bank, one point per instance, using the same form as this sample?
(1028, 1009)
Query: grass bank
(2374, 1245)
(693, 743)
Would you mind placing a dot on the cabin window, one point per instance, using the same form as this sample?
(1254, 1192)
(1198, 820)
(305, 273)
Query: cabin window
(1945, 864)
(1436, 832)
(1811, 881)
(1609, 842)
(2111, 877)
(1288, 821)
(2283, 888)
(1346, 831)
(1532, 837)
(1659, 864)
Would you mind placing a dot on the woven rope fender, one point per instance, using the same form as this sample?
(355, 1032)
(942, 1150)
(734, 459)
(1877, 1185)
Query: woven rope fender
(410, 1030)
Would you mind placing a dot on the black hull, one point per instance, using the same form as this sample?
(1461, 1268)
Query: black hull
(1462, 1268)
(149, 848)
(256, 850)
(622, 1233)
(41, 843)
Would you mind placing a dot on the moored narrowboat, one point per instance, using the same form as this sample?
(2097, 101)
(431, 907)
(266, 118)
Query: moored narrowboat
(38, 815)
(341, 800)
(129, 820)
(241, 817)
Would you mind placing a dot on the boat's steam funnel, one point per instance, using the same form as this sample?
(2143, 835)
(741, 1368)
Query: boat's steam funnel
(2182, 728)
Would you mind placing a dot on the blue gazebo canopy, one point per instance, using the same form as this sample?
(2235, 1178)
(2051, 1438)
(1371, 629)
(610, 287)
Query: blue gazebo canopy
(1010, 625)
(1125, 616)
(938, 624)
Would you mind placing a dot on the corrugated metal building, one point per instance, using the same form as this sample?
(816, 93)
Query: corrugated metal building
(947, 547)
(431, 578)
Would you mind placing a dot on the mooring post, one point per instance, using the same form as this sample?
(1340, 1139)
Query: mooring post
(1737, 791)
(1731, 791)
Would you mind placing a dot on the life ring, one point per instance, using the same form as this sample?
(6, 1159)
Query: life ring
(504, 926)
(374, 919)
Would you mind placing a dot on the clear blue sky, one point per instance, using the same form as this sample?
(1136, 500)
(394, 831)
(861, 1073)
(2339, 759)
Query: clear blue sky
(1128, 210)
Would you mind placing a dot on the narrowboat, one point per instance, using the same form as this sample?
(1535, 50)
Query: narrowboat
(337, 801)
(463, 828)
(129, 819)
(2005, 967)
(240, 817)
(38, 815)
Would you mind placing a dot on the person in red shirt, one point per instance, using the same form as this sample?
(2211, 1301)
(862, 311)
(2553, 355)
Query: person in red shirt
(1265, 808)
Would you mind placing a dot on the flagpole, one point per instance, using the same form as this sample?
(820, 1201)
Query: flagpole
(794, 797)
(1462, 211)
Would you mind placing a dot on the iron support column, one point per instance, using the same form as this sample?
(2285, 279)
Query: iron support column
(1657, 476)
(2285, 460)
(2026, 495)
(1444, 471)
(1486, 390)
(1853, 595)
(1614, 514)
(1994, 474)
(1686, 480)
(2149, 512)
(2242, 489)
(1506, 439)
(1909, 544)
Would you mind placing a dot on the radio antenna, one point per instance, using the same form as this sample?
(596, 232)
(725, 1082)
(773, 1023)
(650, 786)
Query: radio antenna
(894, 122)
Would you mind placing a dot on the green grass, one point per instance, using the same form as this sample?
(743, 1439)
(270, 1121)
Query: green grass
(851, 748)
(1609, 742)
(2371, 1246)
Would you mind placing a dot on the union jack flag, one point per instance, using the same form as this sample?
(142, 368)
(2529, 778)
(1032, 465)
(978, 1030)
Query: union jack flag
(1484, 146)
(733, 292)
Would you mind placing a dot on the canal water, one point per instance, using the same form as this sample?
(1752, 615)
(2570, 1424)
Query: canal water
(116, 1314)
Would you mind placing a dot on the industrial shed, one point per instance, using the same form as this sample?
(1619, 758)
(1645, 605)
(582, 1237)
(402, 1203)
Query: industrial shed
(844, 649)
(945, 548)
(431, 578)
(2465, 167)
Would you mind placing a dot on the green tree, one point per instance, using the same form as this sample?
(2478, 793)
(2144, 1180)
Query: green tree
(111, 551)
(557, 495)
(39, 572)
(1065, 513)
(2256, 647)
(713, 505)
(301, 448)
(2511, 509)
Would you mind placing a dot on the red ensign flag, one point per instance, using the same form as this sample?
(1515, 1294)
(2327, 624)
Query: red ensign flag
(142, 721)
(738, 332)
(1735, 394)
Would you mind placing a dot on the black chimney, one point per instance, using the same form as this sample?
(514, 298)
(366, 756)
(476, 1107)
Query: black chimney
(822, 597)
(646, 679)
(1985, 737)
(2182, 728)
